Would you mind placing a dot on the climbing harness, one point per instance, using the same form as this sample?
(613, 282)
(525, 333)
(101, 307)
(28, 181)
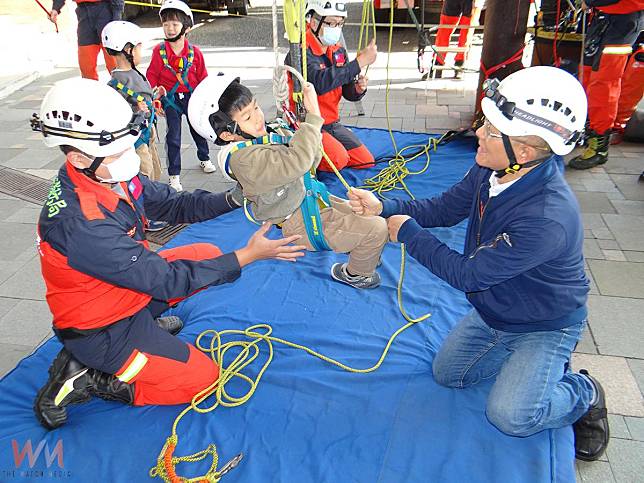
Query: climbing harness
(144, 138)
(316, 195)
(182, 77)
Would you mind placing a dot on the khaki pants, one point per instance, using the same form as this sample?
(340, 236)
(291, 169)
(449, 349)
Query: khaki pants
(362, 237)
(150, 162)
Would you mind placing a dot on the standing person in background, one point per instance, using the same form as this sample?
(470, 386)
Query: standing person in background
(454, 12)
(93, 16)
(614, 28)
(631, 92)
(178, 67)
(335, 77)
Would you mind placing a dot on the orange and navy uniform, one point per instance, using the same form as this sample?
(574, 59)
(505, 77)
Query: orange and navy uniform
(159, 75)
(632, 86)
(454, 12)
(92, 16)
(105, 284)
(615, 25)
(333, 76)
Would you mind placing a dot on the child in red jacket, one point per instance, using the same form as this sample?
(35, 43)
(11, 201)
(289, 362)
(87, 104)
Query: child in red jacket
(179, 67)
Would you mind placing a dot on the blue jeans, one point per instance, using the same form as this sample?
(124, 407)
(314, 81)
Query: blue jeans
(173, 135)
(534, 390)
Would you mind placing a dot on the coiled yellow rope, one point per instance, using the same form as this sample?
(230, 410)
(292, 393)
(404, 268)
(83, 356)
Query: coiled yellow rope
(210, 341)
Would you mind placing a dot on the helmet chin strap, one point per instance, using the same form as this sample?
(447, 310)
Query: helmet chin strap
(91, 171)
(514, 166)
(316, 32)
(179, 35)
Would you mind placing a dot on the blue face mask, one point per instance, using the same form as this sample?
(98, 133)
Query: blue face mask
(331, 35)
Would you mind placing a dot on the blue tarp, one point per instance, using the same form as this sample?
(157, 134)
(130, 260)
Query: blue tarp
(308, 421)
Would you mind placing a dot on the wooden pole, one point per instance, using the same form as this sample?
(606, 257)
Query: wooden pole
(506, 23)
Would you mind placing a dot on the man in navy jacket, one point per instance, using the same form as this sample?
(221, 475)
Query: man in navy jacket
(522, 266)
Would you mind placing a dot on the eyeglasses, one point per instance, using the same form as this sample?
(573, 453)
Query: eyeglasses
(489, 133)
(334, 24)
(495, 134)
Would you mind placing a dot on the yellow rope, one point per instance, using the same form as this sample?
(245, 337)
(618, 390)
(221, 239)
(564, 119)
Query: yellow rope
(248, 352)
(392, 177)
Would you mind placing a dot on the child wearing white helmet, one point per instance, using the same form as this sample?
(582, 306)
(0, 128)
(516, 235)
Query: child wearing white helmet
(335, 77)
(522, 266)
(105, 288)
(273, 165)
(178, 66)
(123, 41)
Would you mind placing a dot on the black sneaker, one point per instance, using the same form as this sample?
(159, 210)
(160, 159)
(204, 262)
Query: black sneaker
(67, 384)
(170, 323)
(595, 154)
(156, 226)
(339, 273)
(591, 430)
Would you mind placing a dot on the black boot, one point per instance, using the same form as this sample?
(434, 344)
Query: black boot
(458, 68)
(109, 387)
(591, 430)
(596, 151)
(67, 384)
(171, 324)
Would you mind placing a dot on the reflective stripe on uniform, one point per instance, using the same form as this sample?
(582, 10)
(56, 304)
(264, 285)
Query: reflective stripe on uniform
(133, 368)
(617, 49)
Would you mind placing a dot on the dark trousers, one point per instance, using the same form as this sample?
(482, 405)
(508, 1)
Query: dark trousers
(173, 135)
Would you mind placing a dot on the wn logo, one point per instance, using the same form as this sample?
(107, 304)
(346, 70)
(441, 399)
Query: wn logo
(32, 455)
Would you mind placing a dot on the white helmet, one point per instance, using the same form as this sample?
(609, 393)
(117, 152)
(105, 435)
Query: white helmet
(88, 115)
(204, 102)
(327, 8)
(177, 5)
(116, 35)
(538, 101)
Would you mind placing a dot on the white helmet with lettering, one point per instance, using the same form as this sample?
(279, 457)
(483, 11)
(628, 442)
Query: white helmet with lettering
(88, 115)
(538, 101)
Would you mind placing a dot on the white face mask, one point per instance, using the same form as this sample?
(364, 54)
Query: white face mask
(123, 168)
(331, 35)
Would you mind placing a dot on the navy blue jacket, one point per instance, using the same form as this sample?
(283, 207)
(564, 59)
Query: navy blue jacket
(522, 267)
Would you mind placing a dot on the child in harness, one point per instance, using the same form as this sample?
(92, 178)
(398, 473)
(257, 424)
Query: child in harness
(273, 166)
(123, 41)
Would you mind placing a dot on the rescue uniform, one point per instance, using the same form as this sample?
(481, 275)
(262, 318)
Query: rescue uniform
(105, 286)
(632, 86)
(613, 30)
(271, 178)
(454, 12)
(122, 80)
(179, 76)
(93, 16)
(333, 76)
(522, 269)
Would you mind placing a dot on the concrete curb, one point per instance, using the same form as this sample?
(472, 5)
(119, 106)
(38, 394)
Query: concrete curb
(12, 83)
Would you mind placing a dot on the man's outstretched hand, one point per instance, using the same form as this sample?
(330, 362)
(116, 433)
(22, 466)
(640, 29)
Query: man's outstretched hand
(260, 248)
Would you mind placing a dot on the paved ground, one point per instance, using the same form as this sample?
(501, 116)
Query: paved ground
(611, 199)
